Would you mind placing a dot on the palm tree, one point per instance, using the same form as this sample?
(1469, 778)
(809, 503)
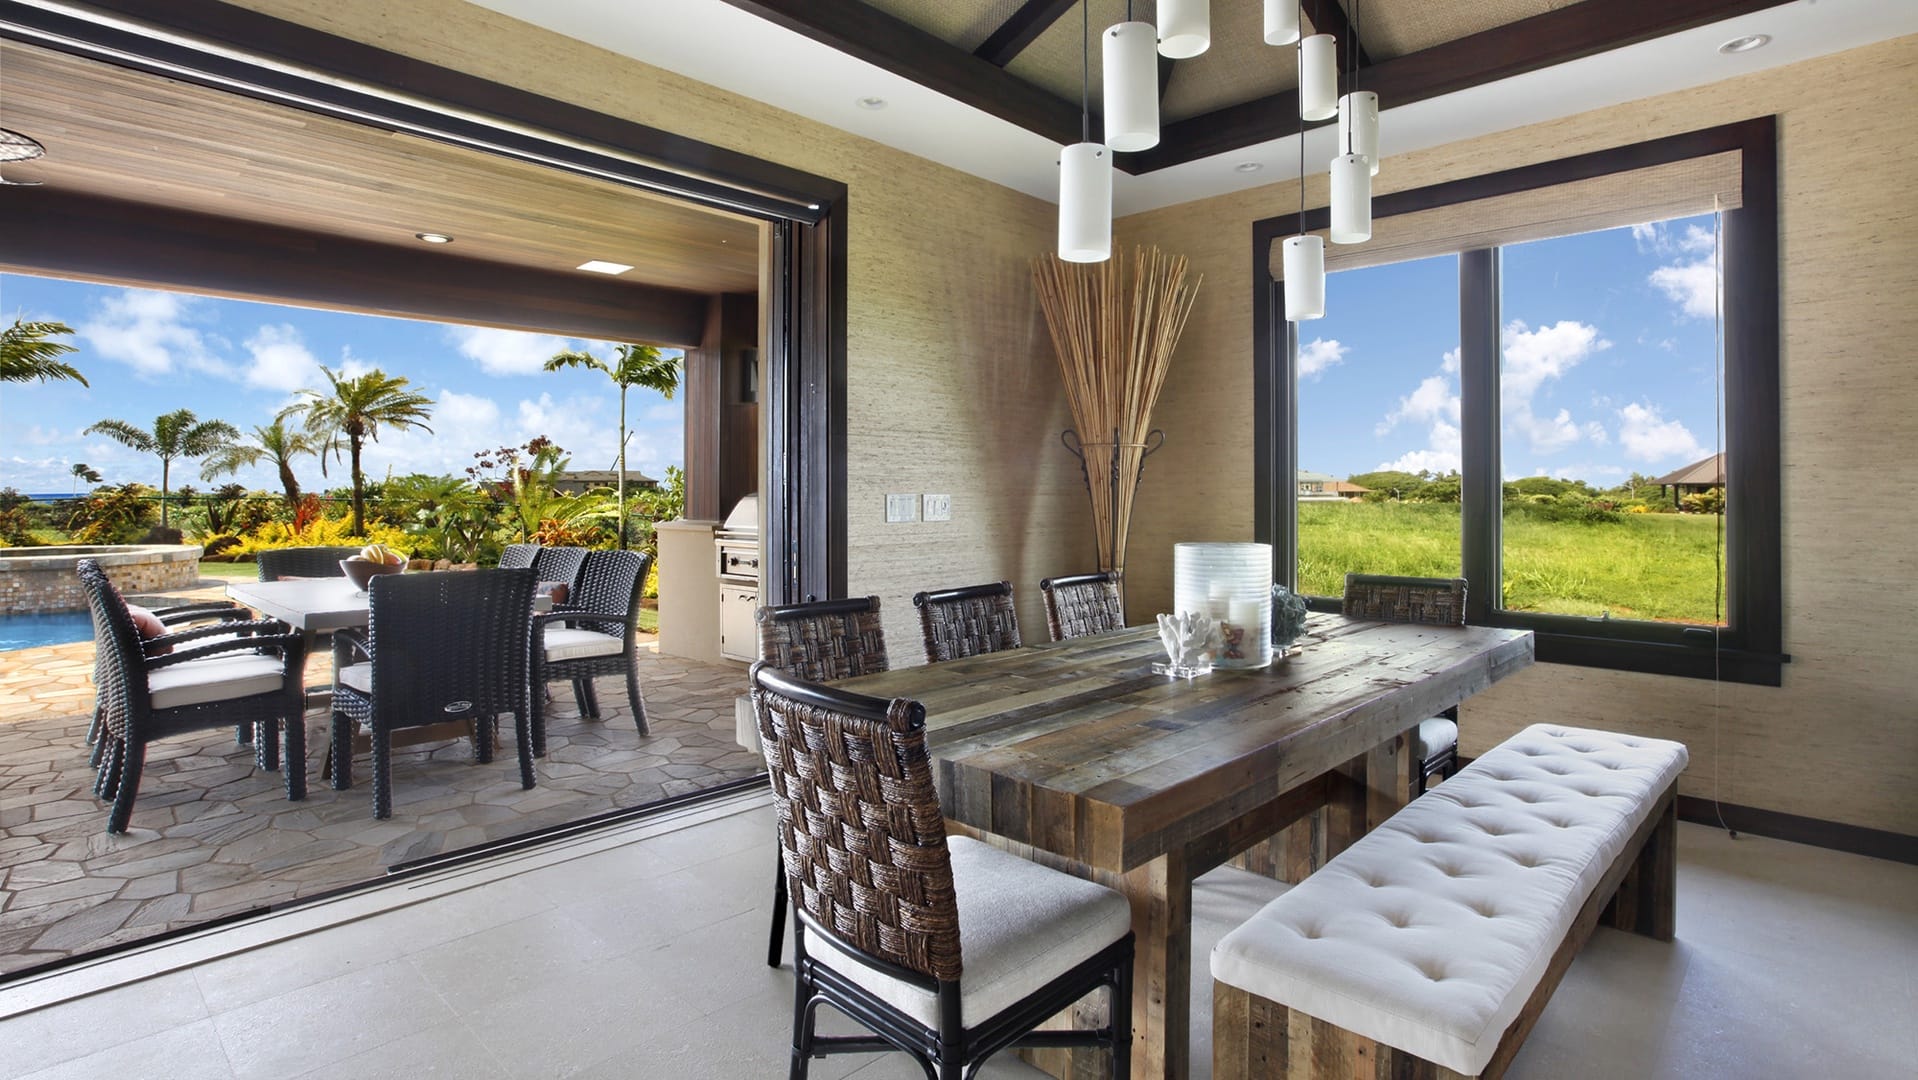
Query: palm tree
(83, 472)
(274, 442)
(175, 435)
(27, 353)
(633, 365)
(356, 409)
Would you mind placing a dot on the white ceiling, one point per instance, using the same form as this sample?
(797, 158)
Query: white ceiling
(716, 43)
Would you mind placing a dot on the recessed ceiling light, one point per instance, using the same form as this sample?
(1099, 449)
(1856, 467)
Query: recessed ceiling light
(601, 266)
(871, 103)
(1745, 44)
(433, 237)
(1247, 166)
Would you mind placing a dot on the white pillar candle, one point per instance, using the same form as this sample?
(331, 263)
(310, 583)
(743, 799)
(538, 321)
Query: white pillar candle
(1244, 613)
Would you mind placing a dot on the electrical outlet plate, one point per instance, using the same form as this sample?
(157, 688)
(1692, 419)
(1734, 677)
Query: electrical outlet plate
(901, 508)
(938, 508)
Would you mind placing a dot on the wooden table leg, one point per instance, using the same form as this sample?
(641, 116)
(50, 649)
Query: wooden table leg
(1379, 783)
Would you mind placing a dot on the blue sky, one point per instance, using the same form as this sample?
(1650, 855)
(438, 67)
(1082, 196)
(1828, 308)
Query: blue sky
(1608, 359)
(146, 353)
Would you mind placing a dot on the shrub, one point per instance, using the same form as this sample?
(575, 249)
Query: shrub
(320, 532)
(1709, 501)
(16, 528)
(112, 515)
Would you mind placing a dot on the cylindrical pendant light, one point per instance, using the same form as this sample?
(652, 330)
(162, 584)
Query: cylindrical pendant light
(1131, 86)
(1351, 199)
(1085, 203)
(1281, 22)
(1318, 78)
(1359, 125)
(1185, 28)
(1304, 258)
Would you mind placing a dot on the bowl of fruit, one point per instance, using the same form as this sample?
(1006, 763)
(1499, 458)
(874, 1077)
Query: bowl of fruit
(372, 561)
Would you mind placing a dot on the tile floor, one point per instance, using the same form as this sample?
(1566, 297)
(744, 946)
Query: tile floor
(644, 958)
(213, 835)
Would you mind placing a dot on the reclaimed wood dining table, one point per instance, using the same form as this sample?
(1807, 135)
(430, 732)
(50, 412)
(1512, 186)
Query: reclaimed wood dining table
(1077, 755)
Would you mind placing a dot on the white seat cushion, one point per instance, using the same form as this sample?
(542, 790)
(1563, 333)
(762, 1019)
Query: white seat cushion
(1435, 736)
(357, 676)
(1432, 931)
(1021, 925)
(572, 643)
(216, 678)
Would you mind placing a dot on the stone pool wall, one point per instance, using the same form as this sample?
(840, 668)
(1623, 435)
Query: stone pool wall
(43, 579)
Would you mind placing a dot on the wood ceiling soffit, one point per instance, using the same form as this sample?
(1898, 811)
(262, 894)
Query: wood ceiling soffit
(1398, 27)
(961, 23)
(1022, 29)
(1541, 41)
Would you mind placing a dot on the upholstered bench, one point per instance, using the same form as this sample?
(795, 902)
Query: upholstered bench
(1429, 948)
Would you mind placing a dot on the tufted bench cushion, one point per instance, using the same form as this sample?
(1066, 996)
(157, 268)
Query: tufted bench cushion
(1431, 933)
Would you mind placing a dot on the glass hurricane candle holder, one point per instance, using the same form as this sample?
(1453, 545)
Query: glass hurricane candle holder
(1232, 583)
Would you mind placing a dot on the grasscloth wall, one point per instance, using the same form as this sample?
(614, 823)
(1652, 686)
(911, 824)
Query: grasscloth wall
(951, 384)
(1839, 740)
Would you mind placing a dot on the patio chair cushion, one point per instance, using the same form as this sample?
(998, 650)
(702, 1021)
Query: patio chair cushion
(1021, 925)
(572, 643)
(1435, 736)
(217, 678)
(357, 676)
(150, 627)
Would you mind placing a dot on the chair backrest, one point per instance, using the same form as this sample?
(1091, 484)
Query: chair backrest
(560, 564)
(119, 668)
(1433, 601)
(609, 584)
(967, 622)
(303, 562)
(824, 641)
(446, 638)
(518, 556)
(860, 833)
(1082, 604)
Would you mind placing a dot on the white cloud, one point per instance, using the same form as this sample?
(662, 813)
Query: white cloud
(281, 360)
(1434, 400)
(1546, 436)
(1449, 362)
(1595, 433)
(1693, 286)
(1532, 358)
(1656, 238)
(148, 331)
(1647, 436)
(1415, 461)
(1320, 354)
(505, 352)
(1587, 473)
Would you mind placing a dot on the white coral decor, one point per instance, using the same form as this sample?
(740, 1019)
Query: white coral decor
(1190, 639)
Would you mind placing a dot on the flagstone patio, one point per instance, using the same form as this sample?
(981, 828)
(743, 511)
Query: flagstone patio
(213, 836)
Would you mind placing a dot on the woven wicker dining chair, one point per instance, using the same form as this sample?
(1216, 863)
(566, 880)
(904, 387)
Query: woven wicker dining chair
(518, 556)
(592, 634)
(1432, 602)
(1082, 604)
(245, 672)
(945, 948)
(443, 646)
(561, 564)
(177, 618)
(818, 642)
(303, 562)
(967, 622)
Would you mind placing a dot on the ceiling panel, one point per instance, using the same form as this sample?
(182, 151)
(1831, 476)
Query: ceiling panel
(1391, 28)
(1052, 61)
(1239, 66)
(965, 23)
(137, 137)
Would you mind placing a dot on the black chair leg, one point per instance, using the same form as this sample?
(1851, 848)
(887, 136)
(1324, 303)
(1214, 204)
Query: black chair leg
(776, 946)
(266, 745)
(485, 734)
(342, 752)
(633, 698)
(1121, 1019)
(382, 774)
(242, 734)
(523, 736)
(805, 1009)
(293, 758)
(133, 757)
(537, 710)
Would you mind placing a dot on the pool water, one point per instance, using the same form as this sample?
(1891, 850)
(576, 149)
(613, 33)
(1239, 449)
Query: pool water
(55, 628)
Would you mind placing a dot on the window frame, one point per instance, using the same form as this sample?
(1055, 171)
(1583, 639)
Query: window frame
(1749, 648)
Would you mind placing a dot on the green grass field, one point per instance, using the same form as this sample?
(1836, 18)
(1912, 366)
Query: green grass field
(1645, 566)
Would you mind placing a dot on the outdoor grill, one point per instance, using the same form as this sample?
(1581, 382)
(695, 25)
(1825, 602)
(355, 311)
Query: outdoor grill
(736, 542)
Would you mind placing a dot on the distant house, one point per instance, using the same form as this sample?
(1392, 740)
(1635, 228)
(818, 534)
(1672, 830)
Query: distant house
(1698, 476)
(578, 480)
(1319, 486)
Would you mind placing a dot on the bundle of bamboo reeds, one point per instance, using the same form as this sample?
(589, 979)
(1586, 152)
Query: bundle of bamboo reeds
(1114, 339)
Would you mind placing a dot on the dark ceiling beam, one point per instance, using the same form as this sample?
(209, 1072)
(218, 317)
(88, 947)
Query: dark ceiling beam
(70, 234)
(1033, 18)
(891, 43)
(1555, 37)
(1328, 17)
(1166, 64)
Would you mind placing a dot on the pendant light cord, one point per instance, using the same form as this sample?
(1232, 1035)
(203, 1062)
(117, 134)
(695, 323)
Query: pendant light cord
(1298, 12)
(1724, 487)
(1085, 71)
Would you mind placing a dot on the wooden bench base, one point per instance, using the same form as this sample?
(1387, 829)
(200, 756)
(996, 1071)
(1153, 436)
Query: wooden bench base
(1257, 1039)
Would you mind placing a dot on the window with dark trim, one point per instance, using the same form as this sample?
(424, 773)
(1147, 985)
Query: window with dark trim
(1748, 647)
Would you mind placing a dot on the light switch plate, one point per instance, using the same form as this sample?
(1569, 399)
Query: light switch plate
(938, 508)
(902, 508)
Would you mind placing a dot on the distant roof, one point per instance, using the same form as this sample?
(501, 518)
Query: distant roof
(603, 476)
(1346, 487)
(1709, 471)
(1307, 475)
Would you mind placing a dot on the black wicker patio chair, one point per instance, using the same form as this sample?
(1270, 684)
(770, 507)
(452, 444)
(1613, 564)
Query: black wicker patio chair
(561, 564)
(518, 556)
(945, 948)
(230, 672)
(818, 642)
(967, 622)
(177, 618)
(444, 646)
(303, 562)
(1433, 602)
(1082, 604)
(591, 635)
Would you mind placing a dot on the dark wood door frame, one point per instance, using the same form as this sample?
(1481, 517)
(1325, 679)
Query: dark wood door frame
(229, 48)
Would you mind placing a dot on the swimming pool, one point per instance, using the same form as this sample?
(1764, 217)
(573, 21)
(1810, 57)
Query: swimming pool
(55, 628)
